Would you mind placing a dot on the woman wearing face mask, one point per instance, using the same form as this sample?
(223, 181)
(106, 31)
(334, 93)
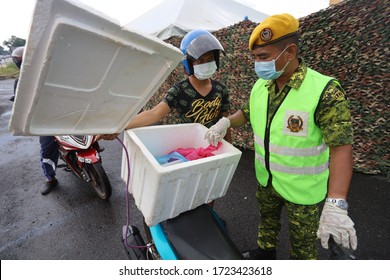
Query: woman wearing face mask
(198, 99)
(303, 145)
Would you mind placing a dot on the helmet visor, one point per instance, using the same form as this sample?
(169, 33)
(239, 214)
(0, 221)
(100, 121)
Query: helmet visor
(203, 44)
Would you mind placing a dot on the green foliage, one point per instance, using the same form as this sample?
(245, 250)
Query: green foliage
(10, 70)
(13, 43)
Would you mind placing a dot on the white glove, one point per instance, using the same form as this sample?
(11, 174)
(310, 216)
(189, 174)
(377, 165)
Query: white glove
(216, 133)
(336, 222)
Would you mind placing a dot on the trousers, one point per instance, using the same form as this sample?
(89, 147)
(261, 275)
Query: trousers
(303, 222)
(49, 156)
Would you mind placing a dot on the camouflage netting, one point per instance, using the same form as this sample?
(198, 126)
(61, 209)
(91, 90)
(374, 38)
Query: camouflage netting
(349, 42)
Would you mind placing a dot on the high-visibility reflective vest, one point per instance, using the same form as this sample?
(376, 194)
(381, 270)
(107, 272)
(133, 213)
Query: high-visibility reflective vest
(290, 152)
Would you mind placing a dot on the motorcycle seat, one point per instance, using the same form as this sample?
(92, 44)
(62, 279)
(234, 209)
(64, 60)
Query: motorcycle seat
(199, 235)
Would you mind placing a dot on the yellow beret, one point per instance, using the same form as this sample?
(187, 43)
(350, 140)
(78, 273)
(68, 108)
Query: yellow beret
(272, 29)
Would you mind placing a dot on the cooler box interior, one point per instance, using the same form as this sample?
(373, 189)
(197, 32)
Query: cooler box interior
(83, 73)
(163, 192)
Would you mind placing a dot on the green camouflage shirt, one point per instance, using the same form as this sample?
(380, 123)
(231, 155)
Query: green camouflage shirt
(332, 116)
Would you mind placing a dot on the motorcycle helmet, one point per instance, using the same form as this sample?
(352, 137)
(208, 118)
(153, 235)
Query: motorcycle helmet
(17, 56)
(196, 43)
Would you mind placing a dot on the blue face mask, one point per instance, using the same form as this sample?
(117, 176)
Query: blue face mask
(267, 69)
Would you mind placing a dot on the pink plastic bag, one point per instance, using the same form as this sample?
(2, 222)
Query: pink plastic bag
(192, 153)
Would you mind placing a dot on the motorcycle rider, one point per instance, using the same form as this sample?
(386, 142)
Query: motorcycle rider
(49, 148)
(49, 153)
(198, 98)
(17, 58)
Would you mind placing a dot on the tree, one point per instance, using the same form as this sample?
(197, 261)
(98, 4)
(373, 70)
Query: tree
(2, 51)
(13, 43)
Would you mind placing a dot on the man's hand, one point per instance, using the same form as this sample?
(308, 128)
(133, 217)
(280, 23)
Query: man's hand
(336, 222)
(218, 131)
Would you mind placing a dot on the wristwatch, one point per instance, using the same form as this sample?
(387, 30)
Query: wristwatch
(339, 202)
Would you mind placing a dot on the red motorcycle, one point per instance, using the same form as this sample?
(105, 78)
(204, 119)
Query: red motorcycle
(81, 154)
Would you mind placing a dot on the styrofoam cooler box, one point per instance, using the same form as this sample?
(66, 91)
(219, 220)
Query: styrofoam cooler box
(83, 73)
(163, 192)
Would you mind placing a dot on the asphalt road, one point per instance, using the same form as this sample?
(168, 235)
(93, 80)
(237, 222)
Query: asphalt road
(72, 223)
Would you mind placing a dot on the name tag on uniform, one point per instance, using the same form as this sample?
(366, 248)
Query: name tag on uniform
(295, 123)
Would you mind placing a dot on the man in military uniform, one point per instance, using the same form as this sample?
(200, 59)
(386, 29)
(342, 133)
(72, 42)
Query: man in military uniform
(303, 145)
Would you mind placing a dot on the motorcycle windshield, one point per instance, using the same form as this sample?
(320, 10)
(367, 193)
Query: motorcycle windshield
(79, 141)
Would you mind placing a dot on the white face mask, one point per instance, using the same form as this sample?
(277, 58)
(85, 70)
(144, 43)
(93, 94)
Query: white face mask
(205, 70)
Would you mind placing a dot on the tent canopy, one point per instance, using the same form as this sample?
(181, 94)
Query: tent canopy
(177, 17)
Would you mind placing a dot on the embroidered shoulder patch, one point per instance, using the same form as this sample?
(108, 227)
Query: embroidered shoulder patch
(295, 123)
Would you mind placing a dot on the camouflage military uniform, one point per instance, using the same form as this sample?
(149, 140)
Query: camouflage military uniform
(334, 119)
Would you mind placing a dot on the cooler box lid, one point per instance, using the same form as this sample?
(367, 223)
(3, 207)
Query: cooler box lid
(83, 73)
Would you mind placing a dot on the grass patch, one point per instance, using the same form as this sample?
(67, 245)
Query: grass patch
(9, 71)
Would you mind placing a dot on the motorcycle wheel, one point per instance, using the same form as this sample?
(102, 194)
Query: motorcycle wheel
(99, 182)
